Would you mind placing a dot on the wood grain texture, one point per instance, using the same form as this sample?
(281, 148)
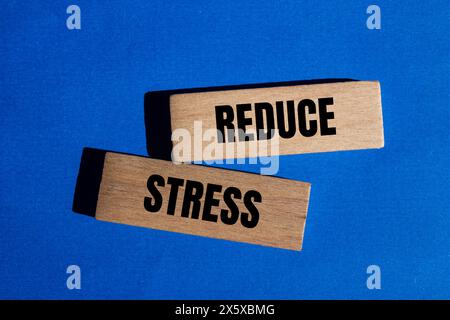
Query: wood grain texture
(282, 211)
(356, 107)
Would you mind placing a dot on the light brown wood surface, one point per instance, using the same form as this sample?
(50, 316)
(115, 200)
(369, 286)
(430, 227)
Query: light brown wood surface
(282, 211)
(356, 107)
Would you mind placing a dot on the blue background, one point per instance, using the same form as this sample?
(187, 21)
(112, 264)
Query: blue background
(62, 90)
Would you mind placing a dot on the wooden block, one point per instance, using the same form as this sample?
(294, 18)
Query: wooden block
(200, 200)
(324, 117)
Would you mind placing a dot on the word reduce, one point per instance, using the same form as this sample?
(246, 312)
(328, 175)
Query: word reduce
(262, 115)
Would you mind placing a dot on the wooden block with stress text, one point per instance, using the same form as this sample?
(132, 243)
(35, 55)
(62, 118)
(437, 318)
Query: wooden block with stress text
(276, 120)
(199, 200)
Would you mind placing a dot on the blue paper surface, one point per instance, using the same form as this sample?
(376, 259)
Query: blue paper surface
(62, 90)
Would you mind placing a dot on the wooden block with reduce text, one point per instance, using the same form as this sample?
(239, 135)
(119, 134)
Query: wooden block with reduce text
(200, 200)
(294, 119)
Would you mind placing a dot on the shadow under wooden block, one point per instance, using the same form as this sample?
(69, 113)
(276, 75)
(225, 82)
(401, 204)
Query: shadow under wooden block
(88, 181)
